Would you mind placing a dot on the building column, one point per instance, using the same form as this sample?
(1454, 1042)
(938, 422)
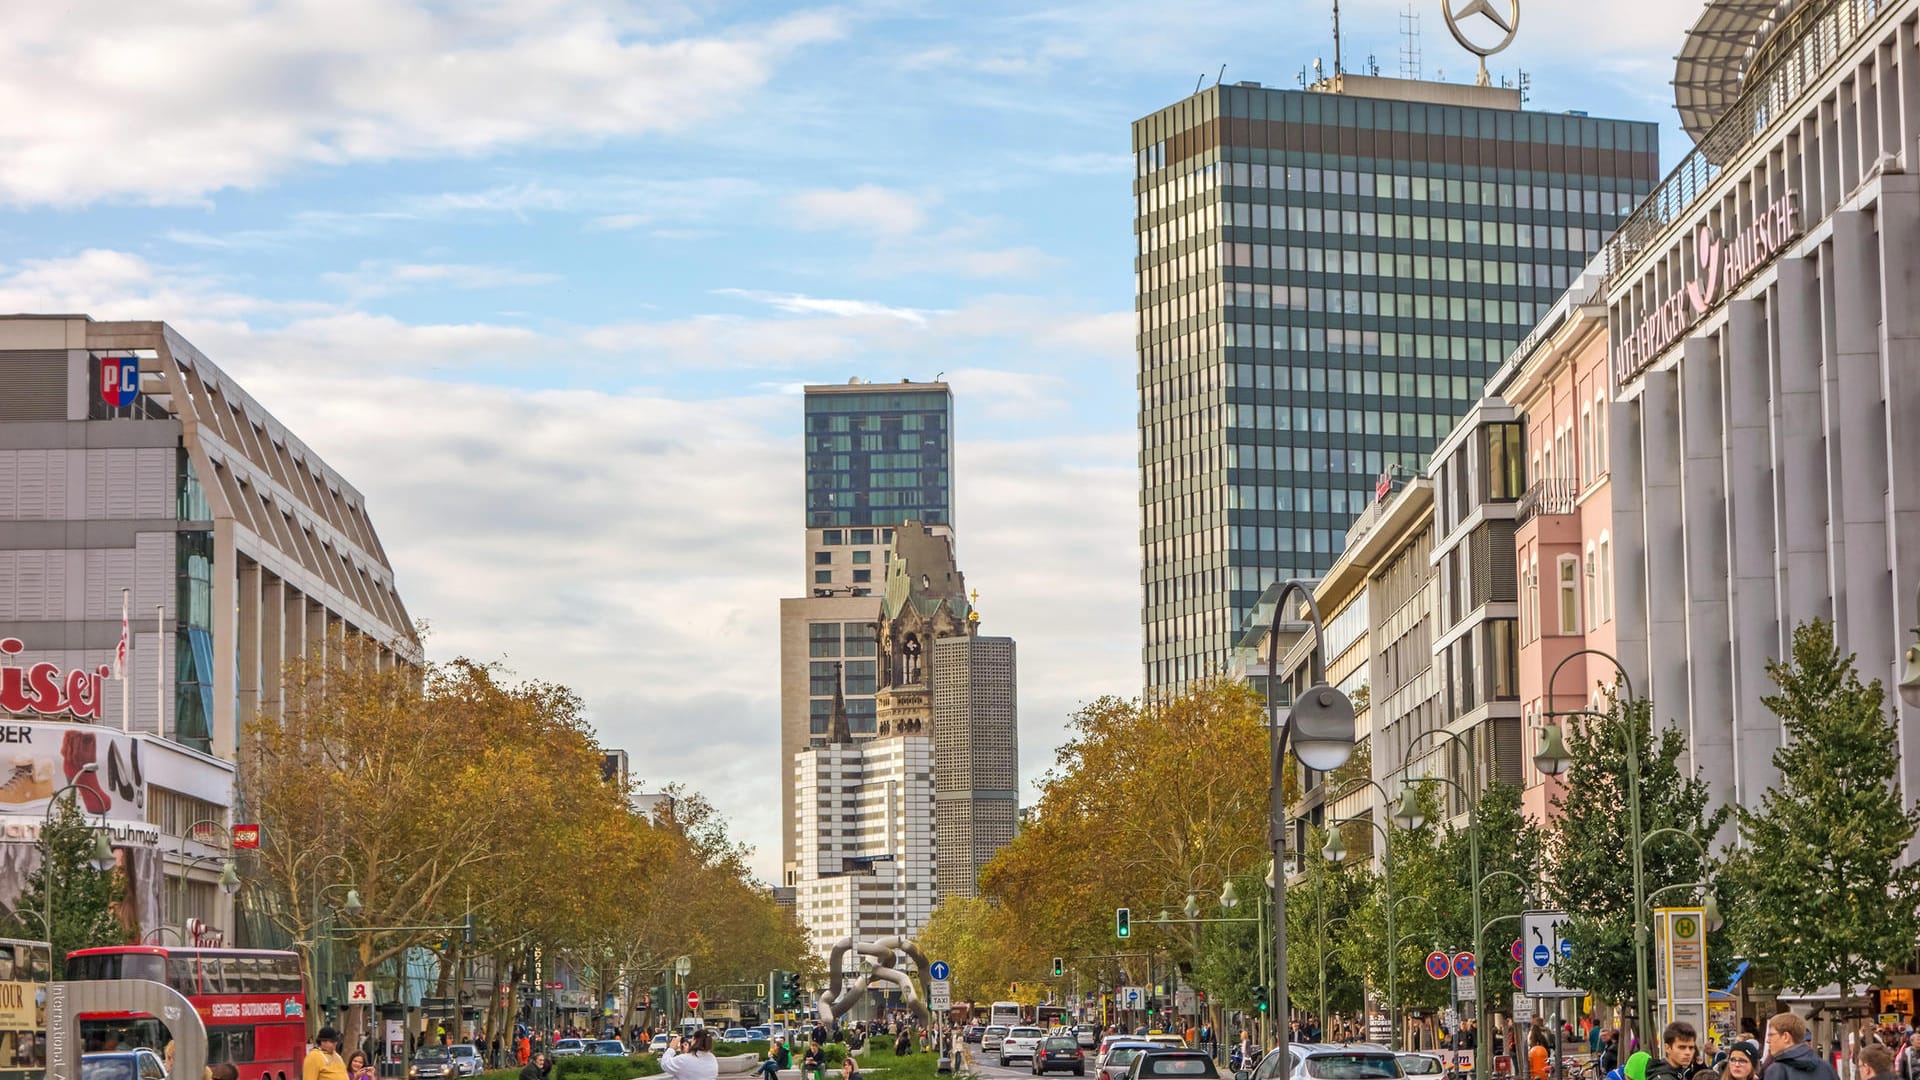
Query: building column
(1900, 433)
(1666, 573)
(1753, 624)
(1703, 491)
(316, 640)
(1627, 483)
(1859, 427)
(273, 642)
(1806, 589)
(248, 633)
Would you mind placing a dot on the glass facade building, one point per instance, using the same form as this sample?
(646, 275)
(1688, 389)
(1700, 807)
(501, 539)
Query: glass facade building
(1324, 282)
(879, 454)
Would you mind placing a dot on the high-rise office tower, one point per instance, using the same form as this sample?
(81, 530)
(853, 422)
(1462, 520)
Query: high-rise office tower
(1325, 278)
(877, 454)
(976, 753)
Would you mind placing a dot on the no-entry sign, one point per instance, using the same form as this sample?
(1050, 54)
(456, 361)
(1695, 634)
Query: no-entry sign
(693, 999)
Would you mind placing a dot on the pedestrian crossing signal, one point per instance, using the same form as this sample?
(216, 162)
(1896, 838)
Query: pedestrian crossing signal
(1122, 923)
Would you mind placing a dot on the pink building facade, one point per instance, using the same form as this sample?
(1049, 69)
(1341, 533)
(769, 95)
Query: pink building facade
(1563, 535)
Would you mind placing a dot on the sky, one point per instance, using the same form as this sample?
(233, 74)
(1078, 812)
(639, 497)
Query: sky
(543, 278)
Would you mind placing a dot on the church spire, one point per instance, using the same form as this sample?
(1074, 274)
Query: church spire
(839, 733)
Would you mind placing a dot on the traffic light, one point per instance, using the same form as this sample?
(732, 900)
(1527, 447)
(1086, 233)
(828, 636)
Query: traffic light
(1059, 967)
(1122, 923)
(789, 988)
(1260, 998)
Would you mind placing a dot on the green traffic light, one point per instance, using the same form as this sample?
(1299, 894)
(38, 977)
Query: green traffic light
(1122, 922)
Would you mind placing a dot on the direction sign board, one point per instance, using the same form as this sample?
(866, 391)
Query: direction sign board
(940, 971)
(1544, 940)
(1438, 965)
(1131, 997)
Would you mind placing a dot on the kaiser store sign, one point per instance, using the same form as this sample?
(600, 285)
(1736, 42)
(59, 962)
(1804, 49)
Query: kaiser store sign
(1721, 264)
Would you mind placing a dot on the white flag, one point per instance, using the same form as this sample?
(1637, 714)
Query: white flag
(120, 651)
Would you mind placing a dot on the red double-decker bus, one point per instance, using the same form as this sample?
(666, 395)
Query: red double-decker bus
(253, 1003)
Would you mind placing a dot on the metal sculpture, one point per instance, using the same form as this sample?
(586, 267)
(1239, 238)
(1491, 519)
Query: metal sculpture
(840, 996)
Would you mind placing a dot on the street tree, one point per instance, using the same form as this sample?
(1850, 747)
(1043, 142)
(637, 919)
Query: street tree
(1147, 800)
(1422, 891)
(1591, 874)
(85, 899)
(1819, 873)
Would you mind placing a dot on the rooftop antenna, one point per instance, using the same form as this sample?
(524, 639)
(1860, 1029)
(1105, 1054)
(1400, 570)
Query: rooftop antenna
(1222, 75)
(1302, 77)
(1336, 38)
(1410, 65)
(1197, 80)
(1373, 64)
(1319, 73)
(1526, 87)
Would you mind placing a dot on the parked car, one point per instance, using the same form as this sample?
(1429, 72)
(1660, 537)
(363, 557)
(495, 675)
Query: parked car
(1421, 1064)
(569, 1048)
(991, 1039)
(1168, 1064)
(1021, 1042)
(1086, 1035)
(466, 1058)
(142, 1064)
(759, 1034)
(431, 1063)
(1117, 1057)
(734, 1034)
(1059, 1052)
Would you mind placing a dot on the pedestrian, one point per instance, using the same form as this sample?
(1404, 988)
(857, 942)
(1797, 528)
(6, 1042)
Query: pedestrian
(1788, 1055)
(323, 1061)
(691, 1058)
(1876, 1063)
(1908, 1064)
(357, 1067)
(1680, 1045)
(903, 1044)
(778, 1058)
(1743, 1060)
(537, 1067)
(813, 1066)
(1538, 1056)
(1609, 1051)
(849, 1069)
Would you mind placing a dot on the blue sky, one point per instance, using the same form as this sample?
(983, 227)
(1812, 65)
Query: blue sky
(542, 278)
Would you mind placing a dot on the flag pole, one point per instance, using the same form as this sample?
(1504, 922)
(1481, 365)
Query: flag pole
(160, 671)
(120, 659)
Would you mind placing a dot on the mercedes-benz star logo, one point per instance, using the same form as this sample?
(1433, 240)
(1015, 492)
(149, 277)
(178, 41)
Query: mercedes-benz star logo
(1508, 24)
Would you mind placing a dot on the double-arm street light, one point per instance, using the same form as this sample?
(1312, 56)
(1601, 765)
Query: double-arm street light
(1410, 816)
(102, 845)
(1320, 727)
(1553, 759)
(229, 872)
(1336, 851)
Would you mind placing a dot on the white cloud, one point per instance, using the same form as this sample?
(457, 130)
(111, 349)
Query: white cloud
(382, 278)
(867, 208)
(168, 103)
(800, 304)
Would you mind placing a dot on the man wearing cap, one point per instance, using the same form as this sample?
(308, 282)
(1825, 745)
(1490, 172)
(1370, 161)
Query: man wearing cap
(323, 1061)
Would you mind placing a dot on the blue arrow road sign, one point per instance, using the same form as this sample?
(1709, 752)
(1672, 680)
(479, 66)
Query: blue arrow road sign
(1542, 955)
(940, 970)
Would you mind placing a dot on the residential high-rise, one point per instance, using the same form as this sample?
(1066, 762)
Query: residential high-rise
(976, 755)
(1325, 278)
(876, 455)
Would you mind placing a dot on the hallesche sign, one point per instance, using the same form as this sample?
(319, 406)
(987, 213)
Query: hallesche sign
(1721, 265)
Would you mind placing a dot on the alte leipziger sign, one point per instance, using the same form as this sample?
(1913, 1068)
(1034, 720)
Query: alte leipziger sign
(1721, 265)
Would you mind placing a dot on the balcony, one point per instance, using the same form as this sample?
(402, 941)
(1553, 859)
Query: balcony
(1552, 496)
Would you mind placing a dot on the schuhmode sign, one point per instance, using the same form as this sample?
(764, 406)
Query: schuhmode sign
(1721, 264)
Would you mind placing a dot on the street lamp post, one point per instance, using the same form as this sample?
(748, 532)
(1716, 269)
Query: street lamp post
(1320, 725)
(1336, 851)
(1409, 816)
(229, 873)
(1553, 759)
(102, 847)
